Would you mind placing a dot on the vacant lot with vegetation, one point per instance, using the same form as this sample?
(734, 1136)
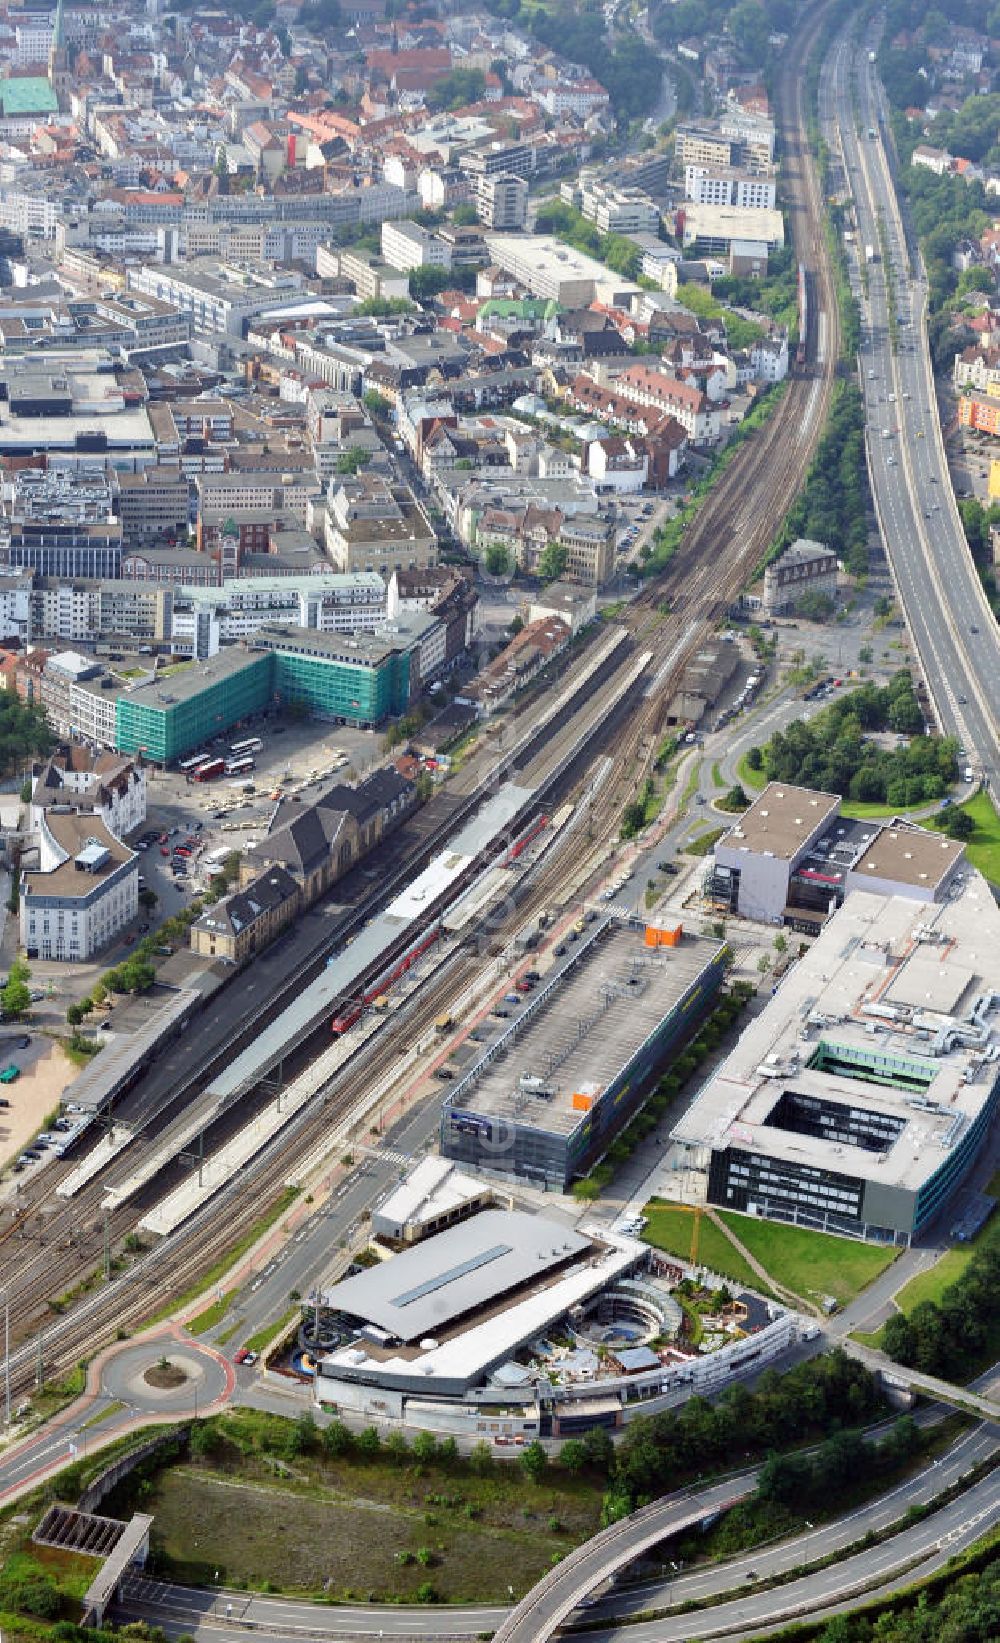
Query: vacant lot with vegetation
(274, 1504)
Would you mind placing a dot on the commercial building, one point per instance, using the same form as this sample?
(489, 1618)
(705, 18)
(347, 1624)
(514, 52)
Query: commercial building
(244, 923)
(61, 523)
(792, 858)
(725, 185)
(614, 207)
(166, 717)
(84, 891)
(405, 245)
(804, 568)
(372, 525)
(557, 272)
(360, 678)
(220, 299)
(71, 401)
(979, 412)
(317, 843)
(443, 1314)
(861, 1096)
(372, 278)
(114, 787)
(714, 228)
(15, 606)
(435, 1195)
(580, 1053)
(644, 385)
(153, 502)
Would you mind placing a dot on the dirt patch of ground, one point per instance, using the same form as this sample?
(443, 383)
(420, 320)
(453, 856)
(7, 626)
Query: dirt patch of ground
(166, 1376)
(45, 1072)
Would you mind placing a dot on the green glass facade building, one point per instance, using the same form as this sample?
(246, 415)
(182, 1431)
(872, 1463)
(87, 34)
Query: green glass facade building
(165, 719)
(360, 679)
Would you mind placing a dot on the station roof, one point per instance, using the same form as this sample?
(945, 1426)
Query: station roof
(423, 1290)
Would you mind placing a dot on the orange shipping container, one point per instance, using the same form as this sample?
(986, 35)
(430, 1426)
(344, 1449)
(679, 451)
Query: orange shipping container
(582, 1102)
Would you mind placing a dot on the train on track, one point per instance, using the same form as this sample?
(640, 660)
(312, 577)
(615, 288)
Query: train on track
(418, 913)
(802, 351)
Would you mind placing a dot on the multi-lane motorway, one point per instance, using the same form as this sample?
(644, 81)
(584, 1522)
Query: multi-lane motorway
(223, 1615)
(950, 621)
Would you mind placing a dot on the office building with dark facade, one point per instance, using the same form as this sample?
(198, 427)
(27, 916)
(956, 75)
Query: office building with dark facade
(565, 1070)
(861, 1096)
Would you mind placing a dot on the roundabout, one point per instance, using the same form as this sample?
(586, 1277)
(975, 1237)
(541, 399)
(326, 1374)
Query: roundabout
(167, 1377)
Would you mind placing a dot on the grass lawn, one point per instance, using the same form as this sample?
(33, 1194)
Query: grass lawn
(810, 1263)
(930, 1285)
(983, 848)
(750, 778)
(213, 1314)
(671, 1227)
(705, 843)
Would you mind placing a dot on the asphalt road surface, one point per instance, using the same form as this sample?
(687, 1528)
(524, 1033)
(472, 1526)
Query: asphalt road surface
(949, 618)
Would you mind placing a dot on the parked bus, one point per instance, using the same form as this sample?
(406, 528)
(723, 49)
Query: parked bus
(240, 766)
(190, 765)
(209, 770)
(239, 749)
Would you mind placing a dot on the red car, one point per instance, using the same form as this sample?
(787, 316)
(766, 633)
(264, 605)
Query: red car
(164, 837)
(243, 1356)
(163, 850)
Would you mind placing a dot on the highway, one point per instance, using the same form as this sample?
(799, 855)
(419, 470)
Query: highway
(947, 613)
(224, 1614)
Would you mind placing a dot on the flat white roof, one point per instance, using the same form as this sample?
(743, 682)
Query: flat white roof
(471, 1265)
(892, 1011)
(434, 1187)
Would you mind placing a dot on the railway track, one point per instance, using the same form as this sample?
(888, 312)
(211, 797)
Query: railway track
(734, 526)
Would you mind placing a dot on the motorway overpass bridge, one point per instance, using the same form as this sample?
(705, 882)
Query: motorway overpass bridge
(550, 1603)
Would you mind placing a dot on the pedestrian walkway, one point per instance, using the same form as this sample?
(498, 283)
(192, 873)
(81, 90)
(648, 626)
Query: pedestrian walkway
(781, 1290)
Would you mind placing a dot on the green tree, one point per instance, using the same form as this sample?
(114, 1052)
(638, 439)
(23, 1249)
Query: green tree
(368, 1442)
(481, 1459)
(599, 1448)
(427, 283)
(553, 561)
(497, 560)
(15, 998)
(464, 216)
(958, 824)
(337, 1439)
(352, 461)
(534, 1461)
(425, 1447)
(573, 1456)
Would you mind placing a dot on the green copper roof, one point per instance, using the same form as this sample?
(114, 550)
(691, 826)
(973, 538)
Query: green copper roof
(27, 94)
